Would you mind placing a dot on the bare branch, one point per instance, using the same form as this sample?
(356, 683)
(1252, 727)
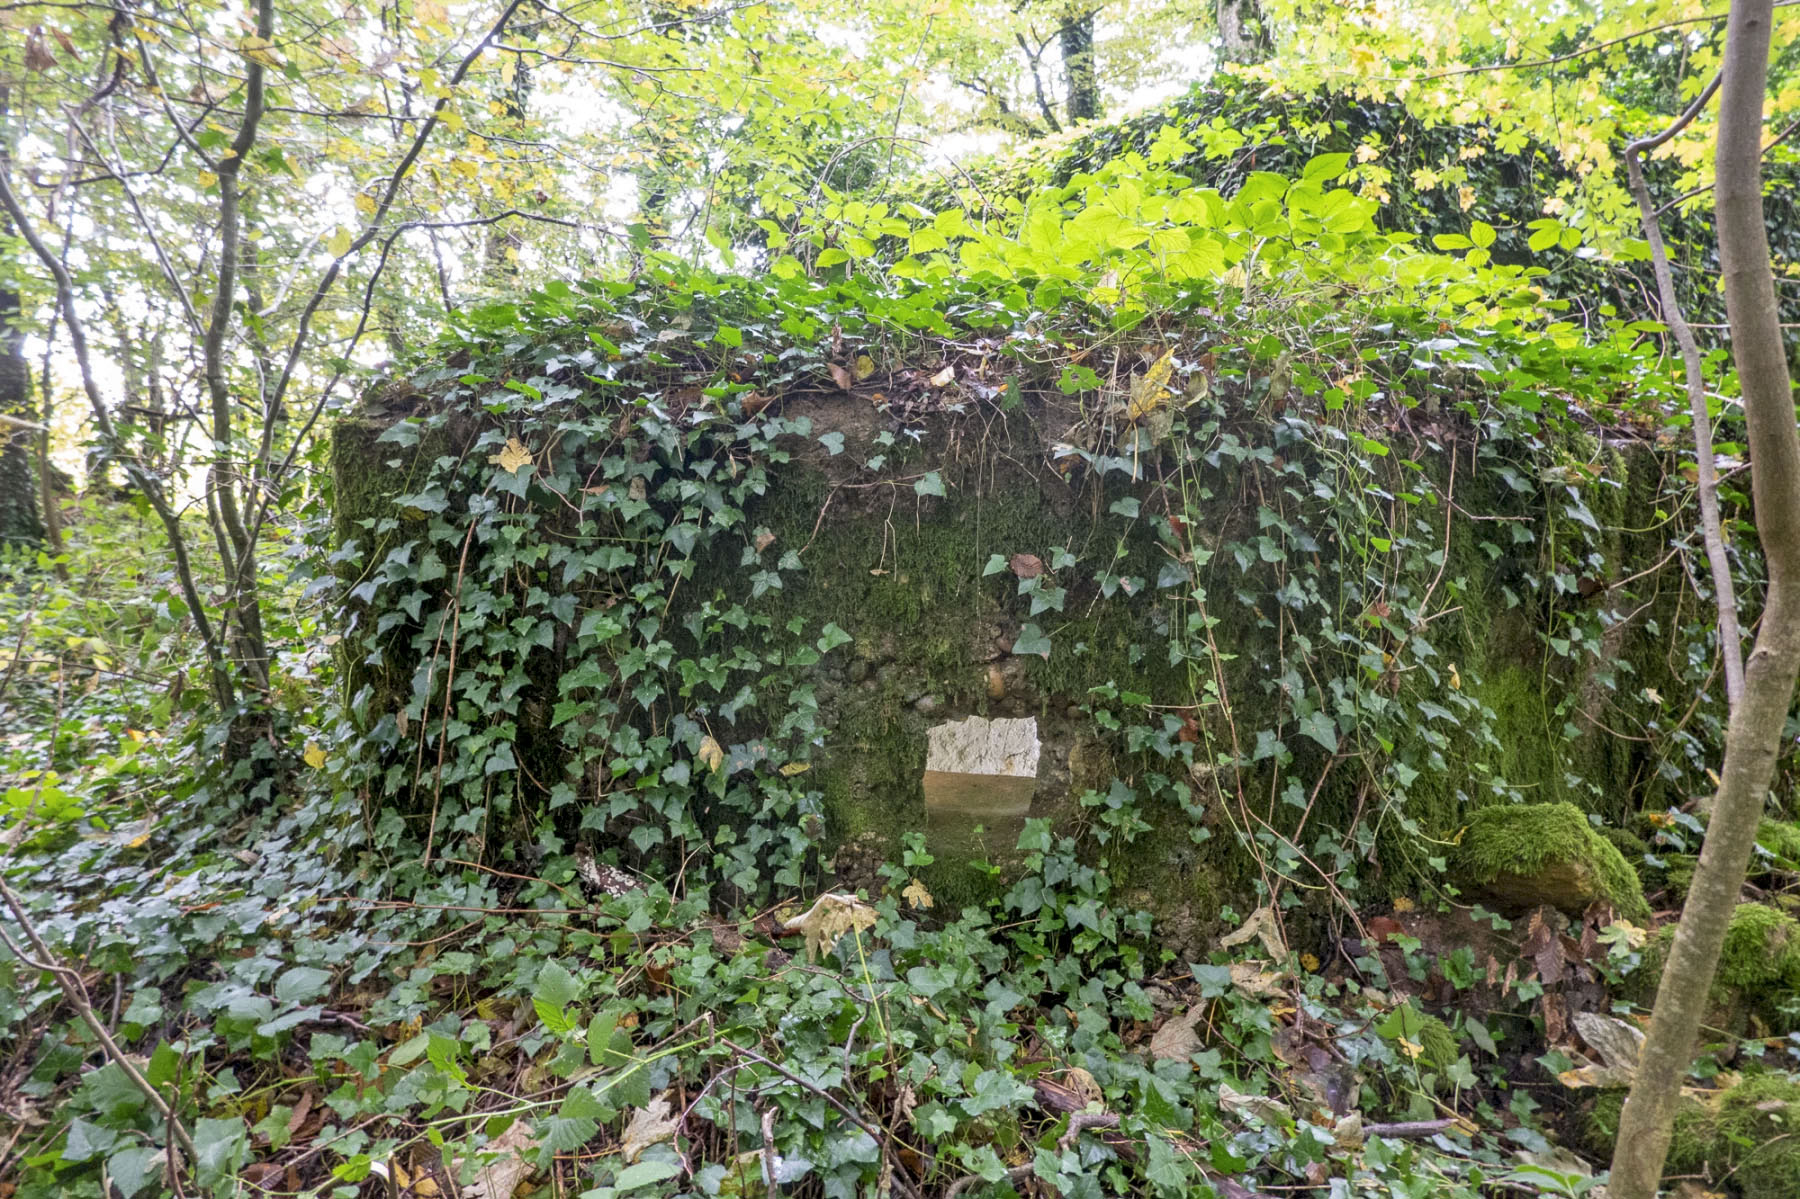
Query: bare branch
(1711, 531)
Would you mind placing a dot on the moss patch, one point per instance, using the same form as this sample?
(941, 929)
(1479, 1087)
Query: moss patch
(1749, 1134)
(1523, 855)
(1759, 970)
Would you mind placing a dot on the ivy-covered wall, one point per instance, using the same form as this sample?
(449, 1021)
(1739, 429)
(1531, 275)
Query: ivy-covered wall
(667, 623)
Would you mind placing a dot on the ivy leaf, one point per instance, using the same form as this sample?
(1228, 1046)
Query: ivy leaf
(1032, 640)
(931, 484)
(87, 1141)
(132, 1169)
(1320, 728)
(643, 1174)
(301, 984)
(220, 1146)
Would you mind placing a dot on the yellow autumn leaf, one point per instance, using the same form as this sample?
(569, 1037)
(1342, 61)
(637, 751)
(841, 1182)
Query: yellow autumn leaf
(1149, 391)
(711, 754)
(365, 205)
(513, 456)
(916, 894)
(314, 755)
(1403, 904)
(865, 366)
(1455, 678)
(257, 49)
(792, 768)
(207, 178)
(339, 245)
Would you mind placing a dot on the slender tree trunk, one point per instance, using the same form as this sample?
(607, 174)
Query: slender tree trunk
(1076, 37)
(19, 521)
(1754, 738)
(227, 476)
(49, 484)
(1243, 34)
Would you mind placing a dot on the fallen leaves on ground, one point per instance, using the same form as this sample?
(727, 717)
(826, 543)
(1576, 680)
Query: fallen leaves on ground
(650, 1125)
(1176, 1040)
(500, 1178)
(1261, 925)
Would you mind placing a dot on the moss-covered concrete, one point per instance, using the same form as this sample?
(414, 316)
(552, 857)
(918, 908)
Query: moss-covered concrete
(1528, 854)
(906, 575)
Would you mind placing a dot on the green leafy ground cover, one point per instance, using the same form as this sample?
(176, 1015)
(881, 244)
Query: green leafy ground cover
(543, 889)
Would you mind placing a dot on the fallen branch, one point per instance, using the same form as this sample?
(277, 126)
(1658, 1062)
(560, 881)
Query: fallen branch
(13, 422)
(1408, 1129)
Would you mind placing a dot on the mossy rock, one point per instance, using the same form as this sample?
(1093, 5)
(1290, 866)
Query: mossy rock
(1747, 1137)
(1782, 840)
(1743, 1137)
(1759, 970)
(1523, 855)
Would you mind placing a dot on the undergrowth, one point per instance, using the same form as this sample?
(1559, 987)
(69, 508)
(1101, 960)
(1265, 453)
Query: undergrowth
(548, 889)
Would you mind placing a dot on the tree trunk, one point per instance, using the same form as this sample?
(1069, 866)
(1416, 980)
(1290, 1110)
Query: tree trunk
(1243, 35)
(1753, 740)
(1076, 37)
(19, 522)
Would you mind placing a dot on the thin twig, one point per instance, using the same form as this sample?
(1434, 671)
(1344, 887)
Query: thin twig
(76, 994)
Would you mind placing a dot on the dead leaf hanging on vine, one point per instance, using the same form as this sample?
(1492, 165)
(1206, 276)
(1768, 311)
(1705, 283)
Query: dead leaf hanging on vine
(1262, 926)
(831, 916)
(512, 456)
(1151, 390)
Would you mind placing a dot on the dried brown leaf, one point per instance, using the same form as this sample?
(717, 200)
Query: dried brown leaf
(1176, 1040)
(649, 1125)
(500, 1178)
(1026, 566)
(831, 916)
